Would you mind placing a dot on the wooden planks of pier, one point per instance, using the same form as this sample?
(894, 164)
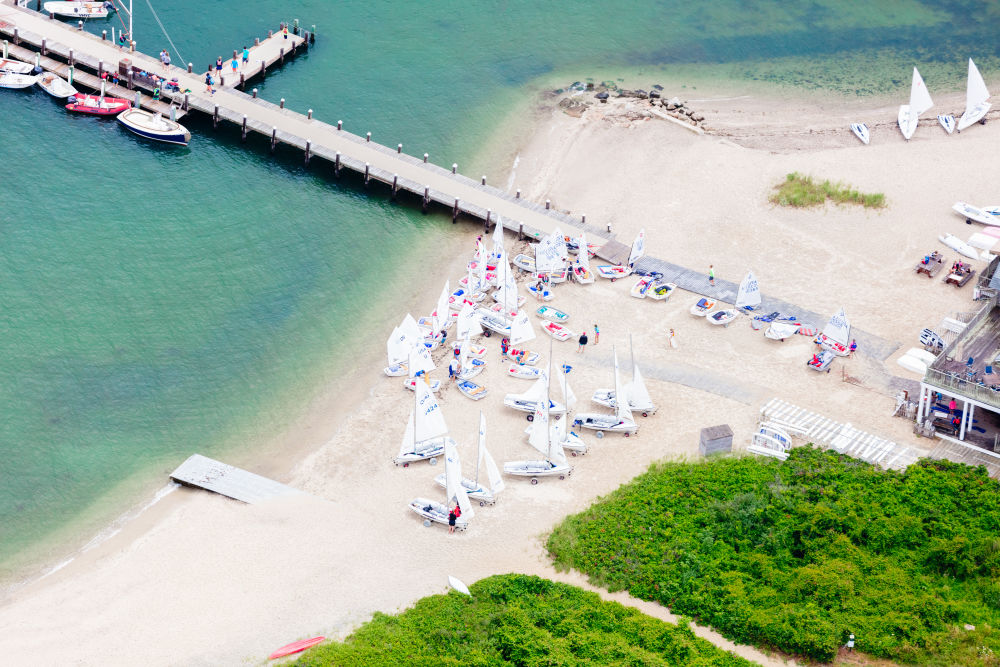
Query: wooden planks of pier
(205, 473)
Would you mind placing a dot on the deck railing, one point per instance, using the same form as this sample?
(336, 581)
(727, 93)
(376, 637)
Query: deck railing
(956, 382)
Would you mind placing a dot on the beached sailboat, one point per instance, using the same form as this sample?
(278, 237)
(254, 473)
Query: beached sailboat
(661, 291)
(860, 130)
(418, 365)
(836, 335)
(535, 397)
(959, 246)
(642, 287)
(947, 122)
(621, 421)
(701, 308)
(748, 296)
(614, 272)
(976, 96)
(541, 438)
(722, 317)
(920, 101)
(486, 495)
(581, 268)
(639, 399)
(426, 432)
(436, 512)
(55, 86)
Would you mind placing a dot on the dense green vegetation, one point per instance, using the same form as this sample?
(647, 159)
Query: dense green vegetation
(797, 555)
(520, 620)
(802, 191)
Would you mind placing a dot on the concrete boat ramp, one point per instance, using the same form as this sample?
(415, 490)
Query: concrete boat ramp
(211, 475)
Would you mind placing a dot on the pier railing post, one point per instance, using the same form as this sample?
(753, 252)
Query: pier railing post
(486, 223)
(548, 204)
(185, 107)
(100, 68)
(79, 25)
(309, 115)
(104, 35)
(243, 80)
(399, 148)
(190, 68)
(425, 157)
(71, 61)
(281, 104)
(43, 49)
(484, 179)
(274, 138)
(340, 125)
(17, 37)
(454, 167)
(255, 92)
(368, 137)
(281, 55)
(520, 232)
(256, 41)
(243, 130)
(583, 219)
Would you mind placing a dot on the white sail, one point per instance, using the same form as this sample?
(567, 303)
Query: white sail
(468, 322)
(976, 96)
(920, 98)
(419, 359)
(638, 248)
(463, 355)
(583, 255)
(569, 398)
(428, 419)
(749, 294)
(441, 312)
(838, 329)
(409, 328)
(406, 445)
(539, 435)
(622, 410)
(453, 481)
(498, 248)
(636, 392)
(485, 460)
(397, 350)
(521, 330)
(481, 264)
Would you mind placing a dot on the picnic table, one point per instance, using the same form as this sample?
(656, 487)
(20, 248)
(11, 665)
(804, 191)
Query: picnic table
(960, 277)
(930, 264)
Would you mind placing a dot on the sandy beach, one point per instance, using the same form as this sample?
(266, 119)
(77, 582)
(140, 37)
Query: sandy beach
(198, 579)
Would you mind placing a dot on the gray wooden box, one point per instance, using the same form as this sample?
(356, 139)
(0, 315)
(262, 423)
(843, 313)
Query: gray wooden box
(716, 439)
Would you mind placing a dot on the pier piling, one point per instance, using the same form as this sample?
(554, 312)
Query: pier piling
(43, 47)
(367, 173)
(399, 148)
(486, 222)
(256, 41)
(190, 68)
(454, 212)
(425, 157)
(263, 69)
(274, 138)
(79, 26)
(243, 130)
(17, 37)
(100, 69)
(368, 137)
(395, 185)
(548, 204)
(255, 92)
(281, 55)
(70, 59)
(310, 114)
(308, 151)
(215, 117)
(427, 199)
(484, 179)
(281, 104)
(104, 35)
(520, 232)
(340, 125)
(336, 165)
(454, 167)
(186, 105)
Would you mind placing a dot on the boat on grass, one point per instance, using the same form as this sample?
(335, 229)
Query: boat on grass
(294, 647)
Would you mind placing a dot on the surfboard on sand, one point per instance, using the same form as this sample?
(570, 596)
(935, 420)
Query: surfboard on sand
(295, 647)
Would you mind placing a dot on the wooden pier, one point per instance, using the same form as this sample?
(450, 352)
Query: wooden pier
(205, 473)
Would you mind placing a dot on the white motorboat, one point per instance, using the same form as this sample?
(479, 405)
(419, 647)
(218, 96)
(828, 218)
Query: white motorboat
(920, 101)
(15, 66)
(722, 317)
(426, 432)
(860, 130)
(12, 80)
(836, 335)
(154, 126)
(486, 495)
(981, 215)
(435, 512)
(81, 10)
(947, 122)
(621, 421)
(976, 96)
(55, 85)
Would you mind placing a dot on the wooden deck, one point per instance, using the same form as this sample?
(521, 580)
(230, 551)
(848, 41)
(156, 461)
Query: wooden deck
(205, 473)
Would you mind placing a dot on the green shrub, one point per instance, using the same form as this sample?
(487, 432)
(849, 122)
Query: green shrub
(796, 555)
(801, 192)
(520, 620)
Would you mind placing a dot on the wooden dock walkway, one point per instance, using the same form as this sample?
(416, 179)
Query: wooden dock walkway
(205, 473)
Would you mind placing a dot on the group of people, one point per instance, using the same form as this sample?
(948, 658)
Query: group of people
(234, 65)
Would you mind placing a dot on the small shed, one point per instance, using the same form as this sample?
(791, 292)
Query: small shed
(716, 439)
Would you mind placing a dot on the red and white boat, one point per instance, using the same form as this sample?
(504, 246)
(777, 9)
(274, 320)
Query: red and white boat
(557, 331)
(97, 105)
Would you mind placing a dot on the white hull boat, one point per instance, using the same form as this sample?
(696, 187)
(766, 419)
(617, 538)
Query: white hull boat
(641, 287)
(976, 96)
(88, 10)
(542, 437)
(947, 122)
(428, 450)
(476, 492)
(525, 263)
(975, 214)
(524, 372)
(154, 126)
(535, 469)
(474, 351)
(821, 361)
(613, 272)
(431, 510)
(582, 275)
(608, 399)
(16, 81)
(474, 368)
(396, 370)
(545, 293)
(55, 86)
(860, 130)
(529, 405)
(781, 330)
(557, 331)
(411, 384)
(472, 390)
(722, 317)
(639, 399)
(959, 246)
(15, 66)
(701, 308)
(920, 101)
(619, 422)
(551, 314)
(836, 335)
(522, 357)
(661, 292)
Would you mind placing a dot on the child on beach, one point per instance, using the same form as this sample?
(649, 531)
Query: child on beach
(235, 65)
(711, 275)
(672, 338)
(597, 334)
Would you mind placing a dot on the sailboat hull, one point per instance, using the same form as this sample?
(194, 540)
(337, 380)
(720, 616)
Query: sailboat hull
(603, 422)
(424, 451)
(906, 125)
(435, 512)
(973, 115)
(475, 491)
(607, 398)
(537, 469)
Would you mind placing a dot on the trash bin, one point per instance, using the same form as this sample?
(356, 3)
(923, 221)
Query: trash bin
(123, 67)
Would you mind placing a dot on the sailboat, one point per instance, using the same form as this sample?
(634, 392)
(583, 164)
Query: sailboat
(433, 511)
(403, 338)
(836, 335)
(748, 296)
(418, 364)
(541, 438)
(614, 272)
(530, 400)
(976, 95)
(920, 101)
(565, 438)
(621, 421)
(506, 295)
(486, 495)
(426, 432)
(638, 395)
(581, 271)
(551, 257)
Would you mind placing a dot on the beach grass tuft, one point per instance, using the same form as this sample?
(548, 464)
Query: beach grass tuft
(802, 191)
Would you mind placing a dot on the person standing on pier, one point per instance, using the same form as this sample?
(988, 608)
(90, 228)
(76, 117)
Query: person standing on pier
(208, 82)
(246, 55)
(284, 30)
(235, 65)
(218, 65)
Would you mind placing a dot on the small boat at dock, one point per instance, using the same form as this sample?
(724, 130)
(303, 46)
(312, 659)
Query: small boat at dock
(15, 66)
(98, 106)
(154, 126)
(55, 85)
(12, 80)
(92, 10)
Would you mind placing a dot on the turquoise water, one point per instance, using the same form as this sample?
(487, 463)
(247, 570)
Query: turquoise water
(157, 301)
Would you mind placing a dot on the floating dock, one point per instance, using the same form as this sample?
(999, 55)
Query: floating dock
(205, 473)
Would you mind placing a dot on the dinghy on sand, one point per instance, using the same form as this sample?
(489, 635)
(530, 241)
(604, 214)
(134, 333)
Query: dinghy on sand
(782, 330)
(947, 122)
(621, 421)
(972, 213)
(959, 246)
(486, 495)
(661, 291)
(836, 335)
(860, 130)
(551, 314)
(557, 331)
(920, 101)
(701, 308)
(976, 96)
(722, 317)
(541, 438)
(436, 512)
(641, 287)
(425, 436)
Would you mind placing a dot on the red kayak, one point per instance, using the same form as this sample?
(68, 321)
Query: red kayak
(101, 106)
(295, 647)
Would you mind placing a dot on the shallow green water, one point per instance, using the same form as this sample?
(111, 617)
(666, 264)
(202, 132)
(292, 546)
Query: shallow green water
(158, 301)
